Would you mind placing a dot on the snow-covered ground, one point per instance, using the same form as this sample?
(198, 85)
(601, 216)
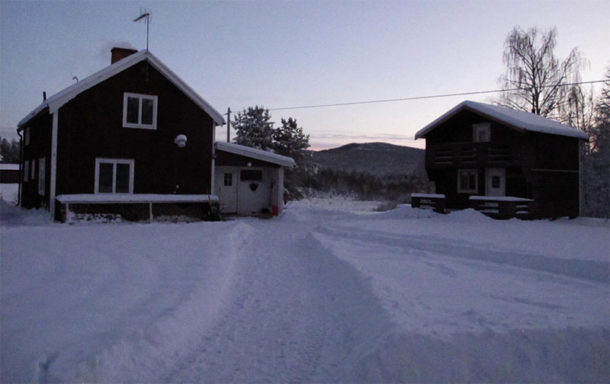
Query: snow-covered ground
(324, 293)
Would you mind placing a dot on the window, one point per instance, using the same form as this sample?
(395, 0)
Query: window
(480, 132)
(33, 170)
(496, 182)
(26, 170)
(41, 176)
(228, 179)
(251, 175)
(26, 136)
(114, 175)
(139, 111)
(467, 181)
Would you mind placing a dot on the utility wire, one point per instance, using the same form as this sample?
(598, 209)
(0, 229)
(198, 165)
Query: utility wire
(424, 97)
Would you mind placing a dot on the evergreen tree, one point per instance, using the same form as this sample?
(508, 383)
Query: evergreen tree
(289, 140)
(9, 151)
(253, 128)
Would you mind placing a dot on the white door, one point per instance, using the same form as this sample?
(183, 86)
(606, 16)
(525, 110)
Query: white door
(253, 191)
(226, 188)
(495, 182)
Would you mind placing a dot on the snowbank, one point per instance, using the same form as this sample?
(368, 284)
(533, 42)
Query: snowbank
(321, 294)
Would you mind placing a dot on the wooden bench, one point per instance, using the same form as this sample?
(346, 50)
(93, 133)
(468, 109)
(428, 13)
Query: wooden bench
(132, 199)
(429, 200)
(503, 207)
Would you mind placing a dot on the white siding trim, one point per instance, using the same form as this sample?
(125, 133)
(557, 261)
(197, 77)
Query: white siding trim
(213, 158)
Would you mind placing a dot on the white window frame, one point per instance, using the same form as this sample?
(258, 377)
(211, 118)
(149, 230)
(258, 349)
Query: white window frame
(477, 129)
(26, 170)
(140, 97)
(228, 179)
(114, 162)
(41, 176)
(460, 189)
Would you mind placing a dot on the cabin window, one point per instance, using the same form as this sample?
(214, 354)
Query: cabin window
(467, 181)
(228, 179)
(481, 132)
(26, 136)
(26, 170)
(496, 182)
(33, 170)
(251, 175)
(114, 175)
(41, 176)
(139, 111)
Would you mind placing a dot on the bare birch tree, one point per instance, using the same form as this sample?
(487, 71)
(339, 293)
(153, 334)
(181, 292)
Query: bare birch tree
(540, 77)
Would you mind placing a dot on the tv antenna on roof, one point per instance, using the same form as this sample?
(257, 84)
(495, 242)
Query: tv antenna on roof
(144, 15)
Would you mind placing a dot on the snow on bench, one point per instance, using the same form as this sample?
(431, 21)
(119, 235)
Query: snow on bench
(435, 201)
(132, 198)
(503, 207)
(429, 195)
(500, 198)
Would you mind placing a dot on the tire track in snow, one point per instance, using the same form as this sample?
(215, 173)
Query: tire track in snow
(299, 314)
(593, 271)
(144, 355)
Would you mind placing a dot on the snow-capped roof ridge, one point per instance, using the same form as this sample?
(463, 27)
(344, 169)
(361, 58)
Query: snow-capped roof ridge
(254, 153)
(60, 98)
(520, 120)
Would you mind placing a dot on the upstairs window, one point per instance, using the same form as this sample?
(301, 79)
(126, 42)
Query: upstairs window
(114, 175)
(139, 111)
(481, 132)
(26, 136)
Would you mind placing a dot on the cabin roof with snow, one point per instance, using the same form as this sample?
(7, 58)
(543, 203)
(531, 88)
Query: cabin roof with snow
(57, 100)
(519, 120)
(254, 153)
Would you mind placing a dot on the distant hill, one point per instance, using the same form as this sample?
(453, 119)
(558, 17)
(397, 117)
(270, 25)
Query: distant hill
(380, 159)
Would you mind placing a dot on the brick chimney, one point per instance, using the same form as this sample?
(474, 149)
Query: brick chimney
(121, 53)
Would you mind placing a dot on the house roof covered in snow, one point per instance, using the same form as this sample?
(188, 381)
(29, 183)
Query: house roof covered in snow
(57, 100)
(520, 120)
(254, 153)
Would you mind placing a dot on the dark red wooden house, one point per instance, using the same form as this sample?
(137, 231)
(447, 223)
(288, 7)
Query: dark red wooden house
(131, 134)
(479, 152)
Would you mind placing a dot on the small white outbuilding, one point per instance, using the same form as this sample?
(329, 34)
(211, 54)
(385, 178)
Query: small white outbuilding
(249, 181)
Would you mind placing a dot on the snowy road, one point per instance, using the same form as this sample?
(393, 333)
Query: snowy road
(318, 295)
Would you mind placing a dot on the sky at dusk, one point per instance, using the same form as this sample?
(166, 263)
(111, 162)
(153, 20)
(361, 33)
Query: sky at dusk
(295, 53)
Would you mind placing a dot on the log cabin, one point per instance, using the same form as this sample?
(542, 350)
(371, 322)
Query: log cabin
(481, 155)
